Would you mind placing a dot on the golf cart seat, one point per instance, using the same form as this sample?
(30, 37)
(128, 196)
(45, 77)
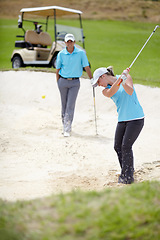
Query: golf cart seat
(41, 39)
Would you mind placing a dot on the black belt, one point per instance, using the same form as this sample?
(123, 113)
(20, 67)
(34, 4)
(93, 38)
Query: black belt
(75, 78)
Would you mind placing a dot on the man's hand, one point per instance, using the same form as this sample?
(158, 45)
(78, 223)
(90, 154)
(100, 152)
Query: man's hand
(88, 71)
(57, 74)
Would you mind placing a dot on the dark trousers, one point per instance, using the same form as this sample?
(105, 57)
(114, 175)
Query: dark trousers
(125, 136)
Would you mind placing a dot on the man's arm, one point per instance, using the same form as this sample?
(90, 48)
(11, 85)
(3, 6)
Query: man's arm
(57, 74)
(88, 71)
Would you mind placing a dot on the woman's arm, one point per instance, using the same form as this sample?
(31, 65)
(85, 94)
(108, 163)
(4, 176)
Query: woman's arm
(114, 88)
(128, 85)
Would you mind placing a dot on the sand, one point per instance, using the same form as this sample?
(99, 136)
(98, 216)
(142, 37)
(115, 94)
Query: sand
(36, 160)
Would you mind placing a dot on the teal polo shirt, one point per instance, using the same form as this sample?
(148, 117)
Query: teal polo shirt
(128, 106)
(71, 64)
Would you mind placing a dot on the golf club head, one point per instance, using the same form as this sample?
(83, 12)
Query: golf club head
(156, 28)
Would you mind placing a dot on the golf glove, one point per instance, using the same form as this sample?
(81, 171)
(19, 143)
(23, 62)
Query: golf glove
(124, 76)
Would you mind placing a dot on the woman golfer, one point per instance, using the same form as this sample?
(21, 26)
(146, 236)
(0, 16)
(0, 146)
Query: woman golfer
(130, 116)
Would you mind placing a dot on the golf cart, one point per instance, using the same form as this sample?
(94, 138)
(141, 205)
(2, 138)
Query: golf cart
(36, 47)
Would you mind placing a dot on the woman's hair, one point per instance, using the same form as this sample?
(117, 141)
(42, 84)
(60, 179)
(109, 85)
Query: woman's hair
(110, 71)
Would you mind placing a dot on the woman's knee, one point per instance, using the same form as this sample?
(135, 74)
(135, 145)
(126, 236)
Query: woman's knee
(117, 147)
(126, 147)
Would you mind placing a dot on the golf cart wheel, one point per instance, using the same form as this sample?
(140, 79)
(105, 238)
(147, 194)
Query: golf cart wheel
(54, 61)
(17, 62)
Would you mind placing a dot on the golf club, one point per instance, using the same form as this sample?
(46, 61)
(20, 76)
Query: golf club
(95, 110)
(140, 51)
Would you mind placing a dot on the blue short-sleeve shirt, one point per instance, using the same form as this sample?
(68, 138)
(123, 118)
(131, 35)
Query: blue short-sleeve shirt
(128, 106)
(71, 64)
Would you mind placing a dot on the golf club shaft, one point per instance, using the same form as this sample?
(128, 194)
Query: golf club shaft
(95, 110)
(143, 47)
(140, 51)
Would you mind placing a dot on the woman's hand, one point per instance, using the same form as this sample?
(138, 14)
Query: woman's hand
(128, 85)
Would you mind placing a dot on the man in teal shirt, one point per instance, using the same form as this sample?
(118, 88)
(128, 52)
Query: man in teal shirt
(69, 68)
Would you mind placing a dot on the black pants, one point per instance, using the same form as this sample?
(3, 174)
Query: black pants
(125, 136)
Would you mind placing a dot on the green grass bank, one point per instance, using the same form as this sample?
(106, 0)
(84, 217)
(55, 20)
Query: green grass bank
(131, 212)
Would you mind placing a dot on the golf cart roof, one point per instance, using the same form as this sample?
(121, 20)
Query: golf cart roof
(49, 11)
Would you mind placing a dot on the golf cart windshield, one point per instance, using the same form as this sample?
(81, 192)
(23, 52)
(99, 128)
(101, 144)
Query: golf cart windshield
(61, 31)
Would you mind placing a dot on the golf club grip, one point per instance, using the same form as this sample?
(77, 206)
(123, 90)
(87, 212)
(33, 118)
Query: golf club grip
(120, 82)
(95, 115)
(128, 69)
(93, 92)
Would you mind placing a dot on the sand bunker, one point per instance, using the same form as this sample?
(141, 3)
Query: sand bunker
(36, 160)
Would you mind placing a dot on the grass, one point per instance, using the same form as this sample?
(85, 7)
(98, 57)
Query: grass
(107, 43)
(118, 43)
(131, 212)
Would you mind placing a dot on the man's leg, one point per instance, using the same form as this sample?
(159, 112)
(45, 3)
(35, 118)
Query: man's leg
(70, 106)
(63, 88)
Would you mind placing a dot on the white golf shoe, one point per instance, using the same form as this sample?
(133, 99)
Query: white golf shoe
(66, 134)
